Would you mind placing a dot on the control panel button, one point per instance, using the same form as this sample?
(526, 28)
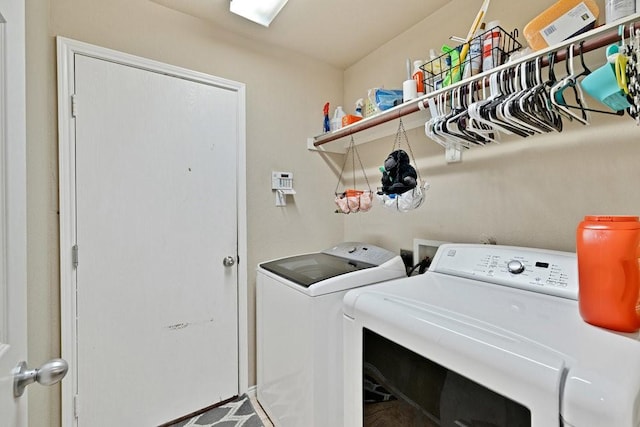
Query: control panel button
(515, 267)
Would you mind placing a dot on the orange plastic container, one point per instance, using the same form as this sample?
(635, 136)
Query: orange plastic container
(349, 119)
(560, 21)
(608, 251)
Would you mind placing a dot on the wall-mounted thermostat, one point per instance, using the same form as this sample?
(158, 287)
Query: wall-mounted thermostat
(282, 182)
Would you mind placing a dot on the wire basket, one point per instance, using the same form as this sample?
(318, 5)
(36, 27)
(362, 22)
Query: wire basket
(495, 46)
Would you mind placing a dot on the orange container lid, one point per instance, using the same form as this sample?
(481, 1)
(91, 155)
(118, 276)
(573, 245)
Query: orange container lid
(611, 221)
(611, 218)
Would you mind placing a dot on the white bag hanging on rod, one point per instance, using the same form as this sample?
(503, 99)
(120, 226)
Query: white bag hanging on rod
(402, 187)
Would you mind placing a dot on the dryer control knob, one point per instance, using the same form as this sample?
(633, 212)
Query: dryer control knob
(515, 267)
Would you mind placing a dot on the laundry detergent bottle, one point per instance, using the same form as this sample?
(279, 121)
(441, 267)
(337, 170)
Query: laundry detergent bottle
(608, 252)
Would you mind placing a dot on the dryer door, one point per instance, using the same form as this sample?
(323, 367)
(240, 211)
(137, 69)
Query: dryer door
(452, 367)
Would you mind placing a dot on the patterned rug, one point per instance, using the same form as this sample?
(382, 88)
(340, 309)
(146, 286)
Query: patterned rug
(237, 413)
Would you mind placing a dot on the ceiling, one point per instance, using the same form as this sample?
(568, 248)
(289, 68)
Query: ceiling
(338, 32)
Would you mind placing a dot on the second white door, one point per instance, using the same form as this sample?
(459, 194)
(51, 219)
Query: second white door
(155, 197)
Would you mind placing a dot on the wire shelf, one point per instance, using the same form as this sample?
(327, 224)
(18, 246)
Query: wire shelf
(495, 44)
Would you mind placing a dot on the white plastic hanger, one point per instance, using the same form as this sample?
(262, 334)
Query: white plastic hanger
(475, 109)
(567, 82)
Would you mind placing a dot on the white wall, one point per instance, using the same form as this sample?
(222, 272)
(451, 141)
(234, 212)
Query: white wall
(530, 192)
(285, 95)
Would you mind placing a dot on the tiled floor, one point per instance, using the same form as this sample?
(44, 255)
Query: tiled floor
(260, 411)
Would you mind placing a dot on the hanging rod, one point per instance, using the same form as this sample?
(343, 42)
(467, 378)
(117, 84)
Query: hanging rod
(594, 39)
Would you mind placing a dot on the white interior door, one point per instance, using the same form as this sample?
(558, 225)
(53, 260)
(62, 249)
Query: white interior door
(154, 177)
(13, 304)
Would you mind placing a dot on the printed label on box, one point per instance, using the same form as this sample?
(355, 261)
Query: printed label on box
(568, 24)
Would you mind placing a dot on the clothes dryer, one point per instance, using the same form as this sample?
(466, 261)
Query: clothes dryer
(492, 336)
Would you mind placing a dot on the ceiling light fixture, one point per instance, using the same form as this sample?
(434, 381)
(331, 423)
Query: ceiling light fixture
(258, 11)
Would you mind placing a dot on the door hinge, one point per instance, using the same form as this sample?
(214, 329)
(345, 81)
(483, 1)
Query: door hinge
(74, 256)
(76, 406)
(74, 105)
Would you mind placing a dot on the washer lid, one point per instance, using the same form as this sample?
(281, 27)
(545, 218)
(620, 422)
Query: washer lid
(305, 270)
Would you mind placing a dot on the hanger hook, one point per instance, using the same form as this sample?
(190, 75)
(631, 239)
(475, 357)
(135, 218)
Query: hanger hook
(471, 88)
(570, 60)
(552, 63)
(582, 62)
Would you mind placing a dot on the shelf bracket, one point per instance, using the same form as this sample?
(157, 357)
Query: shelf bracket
(326, 148)
(453, 153)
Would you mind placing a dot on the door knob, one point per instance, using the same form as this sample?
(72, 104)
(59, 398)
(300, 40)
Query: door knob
(48, 374)
(228, 261)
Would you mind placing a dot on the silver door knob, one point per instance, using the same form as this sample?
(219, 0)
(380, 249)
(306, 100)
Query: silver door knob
(48, 374)
(228, 261)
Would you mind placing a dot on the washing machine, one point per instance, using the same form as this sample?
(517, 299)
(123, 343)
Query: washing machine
(299, 329)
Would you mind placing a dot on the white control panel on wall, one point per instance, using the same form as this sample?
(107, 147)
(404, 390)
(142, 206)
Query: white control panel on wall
(282, 183)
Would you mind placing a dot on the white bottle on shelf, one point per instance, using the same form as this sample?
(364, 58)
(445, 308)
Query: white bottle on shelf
(336, 122)
(618, 9)
(491, 46)
(473, 62)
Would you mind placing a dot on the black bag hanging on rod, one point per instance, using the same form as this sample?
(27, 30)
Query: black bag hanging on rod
(352, 200)
(402, 187)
